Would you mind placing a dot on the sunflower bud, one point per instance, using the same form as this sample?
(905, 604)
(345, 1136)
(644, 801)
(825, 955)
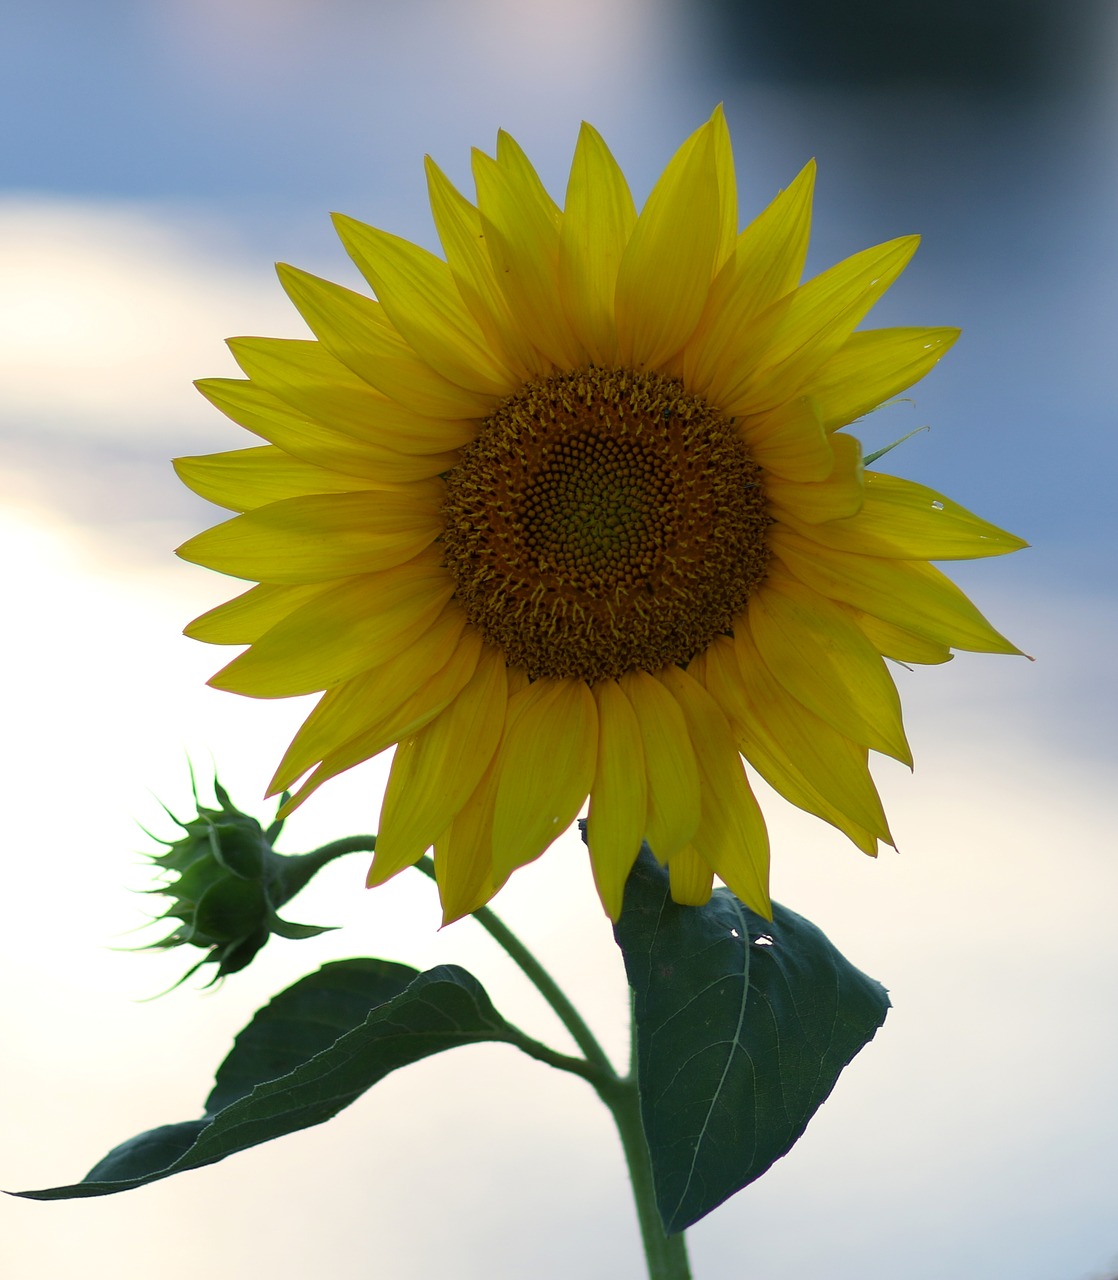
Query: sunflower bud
(226, 883)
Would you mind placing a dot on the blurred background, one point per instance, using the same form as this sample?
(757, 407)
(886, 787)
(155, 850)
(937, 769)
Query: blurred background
(155, 160)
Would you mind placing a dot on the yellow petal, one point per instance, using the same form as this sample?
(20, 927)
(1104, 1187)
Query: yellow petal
(418, 292)
(245, 618)
(462, 236)
(731, 837)
(770, 253)
(790, 442)
(356, 330)
(767, 263)
(690, 879)
(435, 771)
(618, 796)
(799, 756)
(597, 223)
(268, 417)
(818, 653)
(321, 537)
(307, 377)
(895, 642)
(665, 273)
(774, 357)
(464, 852)
(908, 593)
(367, 745)
(840, 495)
(365, 715)
(727, 187)
(522, 233)
(910, 522)
(357, 624)
(546, 767)
(674, 806)
(512, 158)
(872, 367)
(246, 478)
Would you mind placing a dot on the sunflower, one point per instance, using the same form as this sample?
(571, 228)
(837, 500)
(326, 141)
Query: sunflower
(572, 513)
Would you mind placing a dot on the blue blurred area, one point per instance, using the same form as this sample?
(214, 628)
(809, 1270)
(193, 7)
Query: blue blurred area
(990, 129)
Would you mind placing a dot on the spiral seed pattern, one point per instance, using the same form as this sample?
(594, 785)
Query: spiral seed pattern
(604, 521)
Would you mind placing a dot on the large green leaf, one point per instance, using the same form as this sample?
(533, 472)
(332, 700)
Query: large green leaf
(304, 1057)
(742, 1026)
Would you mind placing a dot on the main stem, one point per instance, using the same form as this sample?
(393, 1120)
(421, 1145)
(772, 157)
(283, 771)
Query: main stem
(665, 1255)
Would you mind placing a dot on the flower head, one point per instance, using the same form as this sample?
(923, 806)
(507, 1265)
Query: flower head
(573, 513)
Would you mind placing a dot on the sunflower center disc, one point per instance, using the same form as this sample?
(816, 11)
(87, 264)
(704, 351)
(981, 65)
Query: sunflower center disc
(602, 521)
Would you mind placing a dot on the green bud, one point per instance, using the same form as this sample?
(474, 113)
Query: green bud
(226, 884)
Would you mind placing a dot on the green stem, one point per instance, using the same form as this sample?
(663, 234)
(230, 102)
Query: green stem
(294, 871)
(501, 933)
(665, 1255)
(348, 844)
(544, 983)
(560, 1061)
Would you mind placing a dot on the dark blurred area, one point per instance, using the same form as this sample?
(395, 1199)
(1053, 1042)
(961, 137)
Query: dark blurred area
(988, 126)
(1018, 49)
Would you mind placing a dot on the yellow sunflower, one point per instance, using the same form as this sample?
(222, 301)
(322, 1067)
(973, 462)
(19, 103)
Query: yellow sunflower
(572, 514)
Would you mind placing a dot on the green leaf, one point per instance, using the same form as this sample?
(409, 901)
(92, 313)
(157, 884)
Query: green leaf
(308, 1054)
(742, 1027)
(304, 1021)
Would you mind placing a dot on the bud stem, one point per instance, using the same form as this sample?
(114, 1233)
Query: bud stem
(296, 870)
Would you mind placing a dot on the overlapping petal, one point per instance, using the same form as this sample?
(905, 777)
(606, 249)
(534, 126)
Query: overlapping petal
(790, 443)
(665, 273)
(838, 496)
(463, 853)
(546, 767)
(395, 716)
(798, 754)
(521, 227)
(378, 699)
(467, 254)
(307, 377)
(873, 366)
(766, 265)
(432, 777)
(598, 221)
(731, 837)
(245, 618)
(267, 416)
(418, 292)
(672, 773)
(336, 635)
(908, 593)
(898, 519)
(818, 654)
(357, 332)
(773, 357)
(243, 479)
(615, 825)
(321, 537)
